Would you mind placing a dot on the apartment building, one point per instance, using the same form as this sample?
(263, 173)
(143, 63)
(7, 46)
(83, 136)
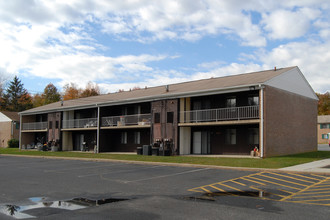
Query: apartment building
(9, 127)
(323, 129)
(274, 110)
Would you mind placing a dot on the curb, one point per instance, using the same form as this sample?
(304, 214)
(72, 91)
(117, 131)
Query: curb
(170, 164)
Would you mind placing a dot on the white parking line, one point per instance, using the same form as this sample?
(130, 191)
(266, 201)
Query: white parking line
(163, 176)
(119, 171)
(77, 168)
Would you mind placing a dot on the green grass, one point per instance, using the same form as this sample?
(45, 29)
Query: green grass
(272, 162)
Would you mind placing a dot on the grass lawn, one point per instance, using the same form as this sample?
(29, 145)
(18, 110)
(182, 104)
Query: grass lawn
(272, 162)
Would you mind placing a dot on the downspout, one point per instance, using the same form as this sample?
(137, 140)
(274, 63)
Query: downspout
(261, 121)
(98, 131)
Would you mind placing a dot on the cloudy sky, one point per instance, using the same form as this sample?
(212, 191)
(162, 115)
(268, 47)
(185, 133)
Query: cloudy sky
(121, 44)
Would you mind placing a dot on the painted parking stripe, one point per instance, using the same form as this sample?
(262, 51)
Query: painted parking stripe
(285, 187)
(168, 175)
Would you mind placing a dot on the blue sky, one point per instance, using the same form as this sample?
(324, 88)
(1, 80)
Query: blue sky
(136, 43)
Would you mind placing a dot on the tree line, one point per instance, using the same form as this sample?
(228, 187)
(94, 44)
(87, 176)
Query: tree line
(14, 97)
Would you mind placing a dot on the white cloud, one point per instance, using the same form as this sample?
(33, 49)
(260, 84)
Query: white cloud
(57, 39)
(311, 57)
(282, 24)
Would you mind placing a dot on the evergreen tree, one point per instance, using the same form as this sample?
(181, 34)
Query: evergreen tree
(16, 97)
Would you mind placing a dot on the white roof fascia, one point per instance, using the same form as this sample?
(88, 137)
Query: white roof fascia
(293, 81)
(4, 118)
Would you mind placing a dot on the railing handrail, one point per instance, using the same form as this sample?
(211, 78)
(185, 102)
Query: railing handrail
(120, 120)
(80, 123)
(228, 108)
(80, 119)
(219, 114)
(34, 125)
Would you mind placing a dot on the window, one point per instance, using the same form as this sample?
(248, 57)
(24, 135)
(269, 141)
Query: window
(157, 117)
(123, 138)
(253, 136)
(137, 137)
(231, 136)
(170, 117)
(50, 125)
(17, 124)
(253, 100)
(325, 136)
(56, 124)
(324, 126)
(231, 102)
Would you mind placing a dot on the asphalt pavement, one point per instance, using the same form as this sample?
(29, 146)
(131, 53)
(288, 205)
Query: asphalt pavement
(46, 188)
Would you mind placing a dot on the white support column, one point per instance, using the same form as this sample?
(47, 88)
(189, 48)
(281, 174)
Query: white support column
(20, 132)
(98, 130)
(261, 121)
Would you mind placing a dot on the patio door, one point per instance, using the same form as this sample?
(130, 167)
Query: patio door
(79, 142)
(201, 142)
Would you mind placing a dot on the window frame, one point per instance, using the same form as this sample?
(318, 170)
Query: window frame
(231, 136)
(137, 137)
(123, 138)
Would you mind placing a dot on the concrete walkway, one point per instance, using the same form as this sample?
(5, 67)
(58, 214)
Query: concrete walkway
(320, 166)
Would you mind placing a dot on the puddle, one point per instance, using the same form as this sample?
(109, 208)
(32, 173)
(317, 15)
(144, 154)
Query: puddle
(40, 202)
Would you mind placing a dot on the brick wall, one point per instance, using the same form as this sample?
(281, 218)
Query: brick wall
(5, 133)
(290, 122)
(320, 132)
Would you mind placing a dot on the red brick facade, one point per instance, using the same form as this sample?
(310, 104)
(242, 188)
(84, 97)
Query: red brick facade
(290, 123)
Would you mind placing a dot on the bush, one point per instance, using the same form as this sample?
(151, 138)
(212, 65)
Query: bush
(13, 143)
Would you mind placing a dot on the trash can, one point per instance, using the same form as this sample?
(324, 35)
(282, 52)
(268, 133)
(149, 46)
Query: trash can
(139, 150)
(146, 150)
(163, 152)
(155, 151)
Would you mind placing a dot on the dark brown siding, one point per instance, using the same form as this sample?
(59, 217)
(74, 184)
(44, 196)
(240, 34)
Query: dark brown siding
(165, 129)
(218, 143)
(54, 120)
(289, 123)
(110, 140)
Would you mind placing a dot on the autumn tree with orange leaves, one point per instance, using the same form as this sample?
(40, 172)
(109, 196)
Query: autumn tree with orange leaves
(90, 90)
(71, 91)
(324, 103)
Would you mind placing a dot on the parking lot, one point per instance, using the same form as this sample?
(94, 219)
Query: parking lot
(81, 189)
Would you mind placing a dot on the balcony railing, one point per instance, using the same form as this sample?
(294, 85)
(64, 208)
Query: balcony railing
(35, 126)
(80, 123)
(126, 120)
(221, 114)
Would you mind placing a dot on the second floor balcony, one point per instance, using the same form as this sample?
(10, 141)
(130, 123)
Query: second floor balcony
(127, 120)
(34, 126)
(80, 123)
(220, 114)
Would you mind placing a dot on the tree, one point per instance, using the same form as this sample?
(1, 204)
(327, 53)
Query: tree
(71, 92)
(38, 100)
(16, 97)
(324, 103)
(51, 94)
(90, 90)
(2, 101)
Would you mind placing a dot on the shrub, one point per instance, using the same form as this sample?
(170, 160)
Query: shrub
(13, 143)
